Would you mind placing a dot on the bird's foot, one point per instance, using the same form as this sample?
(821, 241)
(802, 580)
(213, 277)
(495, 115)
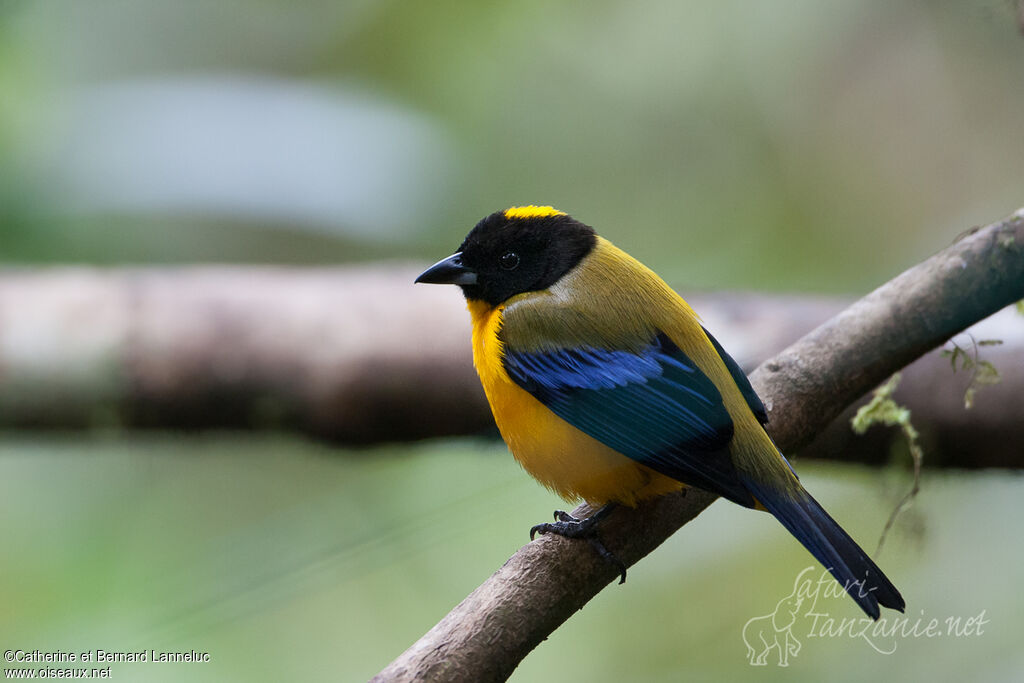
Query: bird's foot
(587, 529)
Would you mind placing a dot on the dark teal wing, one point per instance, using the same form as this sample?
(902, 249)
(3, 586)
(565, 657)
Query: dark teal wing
(654, 406)
(740, 377)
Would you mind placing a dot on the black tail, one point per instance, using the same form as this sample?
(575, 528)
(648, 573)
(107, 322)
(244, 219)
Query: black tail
(833, 547)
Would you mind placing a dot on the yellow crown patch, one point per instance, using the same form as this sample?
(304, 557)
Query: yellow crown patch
(532, 212)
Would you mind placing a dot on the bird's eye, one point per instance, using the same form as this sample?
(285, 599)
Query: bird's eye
(510, 261)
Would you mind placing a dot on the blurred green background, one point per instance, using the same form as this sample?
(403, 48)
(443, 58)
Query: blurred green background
(788, 146)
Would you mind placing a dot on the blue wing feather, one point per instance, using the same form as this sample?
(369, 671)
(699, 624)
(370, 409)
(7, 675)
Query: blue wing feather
(654, 406)
(740, 377)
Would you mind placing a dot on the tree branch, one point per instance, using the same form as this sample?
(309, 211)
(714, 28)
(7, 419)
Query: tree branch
(327, 352)
(486, 636)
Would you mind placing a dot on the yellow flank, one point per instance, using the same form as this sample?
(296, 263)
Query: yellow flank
(618, 288)
(567, 461)
(532, 212)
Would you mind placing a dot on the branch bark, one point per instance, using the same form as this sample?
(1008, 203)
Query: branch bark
(358, 355)
(486, 636)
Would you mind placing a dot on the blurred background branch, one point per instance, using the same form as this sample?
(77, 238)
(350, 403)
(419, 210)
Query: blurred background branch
(359, 355)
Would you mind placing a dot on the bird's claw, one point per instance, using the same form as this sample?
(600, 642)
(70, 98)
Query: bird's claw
(569, 527)
(609, 557)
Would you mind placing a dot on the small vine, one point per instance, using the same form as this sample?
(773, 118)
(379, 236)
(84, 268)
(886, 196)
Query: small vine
(983, 373)
(882, 409)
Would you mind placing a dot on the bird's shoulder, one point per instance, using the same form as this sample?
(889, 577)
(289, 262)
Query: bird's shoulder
(609, 300)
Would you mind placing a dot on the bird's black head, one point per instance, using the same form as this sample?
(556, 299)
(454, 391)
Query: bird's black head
(522, 249)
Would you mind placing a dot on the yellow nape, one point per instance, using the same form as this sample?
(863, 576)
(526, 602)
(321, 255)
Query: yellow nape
(532, 211)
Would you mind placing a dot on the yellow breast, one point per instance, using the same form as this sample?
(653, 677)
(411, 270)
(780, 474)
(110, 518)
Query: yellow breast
(567, 461)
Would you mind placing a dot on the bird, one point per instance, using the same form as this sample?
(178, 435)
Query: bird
(607, 388)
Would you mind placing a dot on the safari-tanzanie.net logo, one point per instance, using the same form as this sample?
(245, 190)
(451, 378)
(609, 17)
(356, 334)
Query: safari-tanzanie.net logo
(803, 616)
